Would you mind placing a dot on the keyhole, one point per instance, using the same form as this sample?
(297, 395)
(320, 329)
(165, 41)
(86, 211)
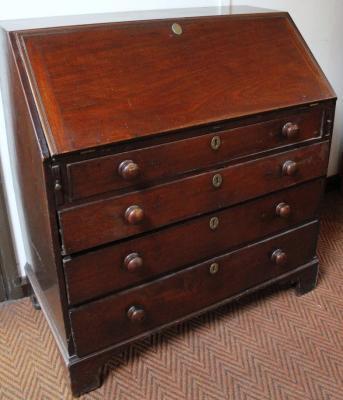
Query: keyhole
(217, 180)
(215, 143)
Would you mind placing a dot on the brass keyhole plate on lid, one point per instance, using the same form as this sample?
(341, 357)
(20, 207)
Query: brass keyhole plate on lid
(176, 28)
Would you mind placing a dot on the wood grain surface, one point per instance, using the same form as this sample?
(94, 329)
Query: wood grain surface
(102, 271)
(114, 82)
(104, 221)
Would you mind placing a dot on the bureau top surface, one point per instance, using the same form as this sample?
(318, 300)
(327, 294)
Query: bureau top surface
(107, 83)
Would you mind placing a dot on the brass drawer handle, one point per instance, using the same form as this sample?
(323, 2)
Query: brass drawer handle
(133, 262)
(136, 313)
(134, 215)
(289, 168)
(128, 169)
(283, 210)
(279, 257)
(217, 181)
(290, 130)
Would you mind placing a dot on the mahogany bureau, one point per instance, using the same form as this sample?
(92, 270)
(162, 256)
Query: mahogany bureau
(166, 166)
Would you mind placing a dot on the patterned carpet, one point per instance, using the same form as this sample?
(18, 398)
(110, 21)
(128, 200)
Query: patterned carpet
(273, 345)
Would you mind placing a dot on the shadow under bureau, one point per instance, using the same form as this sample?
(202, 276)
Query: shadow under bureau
(166, 166)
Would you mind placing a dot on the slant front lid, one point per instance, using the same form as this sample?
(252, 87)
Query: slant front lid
(108, 83)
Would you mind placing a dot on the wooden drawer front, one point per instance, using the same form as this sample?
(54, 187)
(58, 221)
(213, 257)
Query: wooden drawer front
(104, 221)
(100, 272)
(87, 178)
(106, 322)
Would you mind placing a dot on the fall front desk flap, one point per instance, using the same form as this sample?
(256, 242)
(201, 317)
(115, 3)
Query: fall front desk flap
(108, 83)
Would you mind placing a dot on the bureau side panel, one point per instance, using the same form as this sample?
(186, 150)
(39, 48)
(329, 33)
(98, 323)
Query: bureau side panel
(31, 166)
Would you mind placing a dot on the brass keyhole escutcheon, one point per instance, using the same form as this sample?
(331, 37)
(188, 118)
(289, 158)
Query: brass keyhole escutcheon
(214, 222)
(217, 180)
(176, 28)
(215, 142)
(214, 268)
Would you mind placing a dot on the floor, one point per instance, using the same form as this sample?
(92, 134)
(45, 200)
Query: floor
(272, 345)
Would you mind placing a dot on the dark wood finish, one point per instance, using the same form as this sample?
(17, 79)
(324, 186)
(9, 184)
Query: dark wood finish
(161, 175)
(333, 183)
(44, 303)
(32, 165)
(167, 160)
(106, 321)
(97, 273)
(174, 80)
(307, 280)
(104, 221)
(86, 373)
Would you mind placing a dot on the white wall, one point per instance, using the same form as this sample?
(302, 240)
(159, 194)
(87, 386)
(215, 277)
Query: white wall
(318, 20)
(13, 9)
(320, 23)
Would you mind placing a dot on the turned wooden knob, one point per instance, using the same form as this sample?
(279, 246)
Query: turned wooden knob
(283, 210)
(134, 215)
(136, 313)
(133, 262)
(128, 169)
(279, 257)
(290, 130)
(289, 168)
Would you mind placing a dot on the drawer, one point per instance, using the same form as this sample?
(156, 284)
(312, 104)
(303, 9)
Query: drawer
(119, 217)
(119, 317)
(98, 273)
(134, 169)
